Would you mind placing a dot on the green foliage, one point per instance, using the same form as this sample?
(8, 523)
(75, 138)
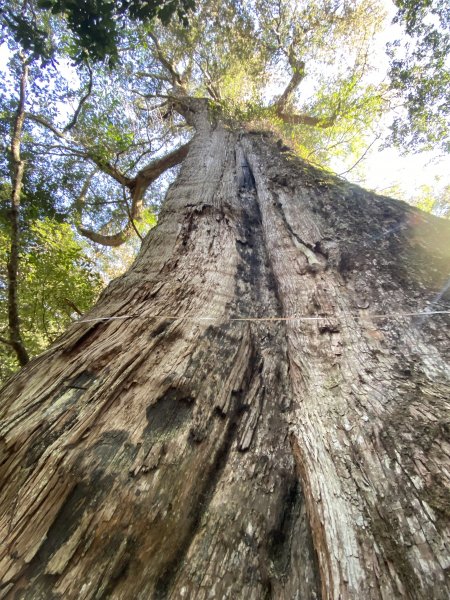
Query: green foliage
(95, 24)
(55, 280)
(420, 75)
(432, 200)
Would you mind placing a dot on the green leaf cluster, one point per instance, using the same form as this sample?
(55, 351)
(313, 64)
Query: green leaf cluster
(56, 280)
(95, 24)
(420, 75)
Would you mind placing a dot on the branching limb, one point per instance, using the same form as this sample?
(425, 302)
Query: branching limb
(125, 201)
(45, 123)
(298, 74)
(138, 187)
(150, 173)
(210, 84)
(114, 240)
(285, 101)
(102, 164)
(84, 98)
(176, 78)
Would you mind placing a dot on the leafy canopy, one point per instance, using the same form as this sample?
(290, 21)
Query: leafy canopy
(95, 24)
(420, 75)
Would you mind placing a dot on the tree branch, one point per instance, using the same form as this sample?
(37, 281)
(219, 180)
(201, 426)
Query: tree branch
(177, 79)
(284, 102)
(150, 173)
(76, 114)
(45, 123)
(81, 200)
(73, 306)
(377, 137)
(103, 165)
(130, 216)
(298, 74)
(138, 187)
(114, 240)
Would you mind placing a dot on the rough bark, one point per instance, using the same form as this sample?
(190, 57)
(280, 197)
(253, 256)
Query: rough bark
(180, 452)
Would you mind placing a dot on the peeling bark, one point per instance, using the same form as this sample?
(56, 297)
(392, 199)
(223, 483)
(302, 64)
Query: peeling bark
(169, 456)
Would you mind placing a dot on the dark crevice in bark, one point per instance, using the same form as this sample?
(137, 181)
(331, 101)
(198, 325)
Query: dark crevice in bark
(280, 537)
(166, 579)
(246, 179)
(254, 271)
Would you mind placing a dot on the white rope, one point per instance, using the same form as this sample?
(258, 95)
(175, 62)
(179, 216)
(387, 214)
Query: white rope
(291, 318)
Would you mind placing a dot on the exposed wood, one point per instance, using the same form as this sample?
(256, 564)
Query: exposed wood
(150, 457)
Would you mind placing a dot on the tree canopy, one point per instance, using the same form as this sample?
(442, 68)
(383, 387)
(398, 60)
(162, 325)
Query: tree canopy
(96, 114)
(420, 74)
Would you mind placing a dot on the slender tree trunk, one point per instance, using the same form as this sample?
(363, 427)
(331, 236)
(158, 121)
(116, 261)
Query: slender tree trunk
(180, 452)
(18, 166)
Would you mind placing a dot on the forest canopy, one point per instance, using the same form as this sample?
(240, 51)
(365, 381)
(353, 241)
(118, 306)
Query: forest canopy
(95, 120)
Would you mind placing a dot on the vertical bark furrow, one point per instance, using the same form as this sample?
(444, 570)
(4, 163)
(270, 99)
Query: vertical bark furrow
(352, 416)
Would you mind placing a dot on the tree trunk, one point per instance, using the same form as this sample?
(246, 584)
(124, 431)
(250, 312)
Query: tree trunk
(200, 448)
(12, 267)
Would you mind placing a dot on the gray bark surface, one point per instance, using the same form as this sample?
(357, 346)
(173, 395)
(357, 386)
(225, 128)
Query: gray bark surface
(173, 456)
(12, 267)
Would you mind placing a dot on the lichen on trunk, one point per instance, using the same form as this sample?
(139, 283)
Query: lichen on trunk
(184, 453)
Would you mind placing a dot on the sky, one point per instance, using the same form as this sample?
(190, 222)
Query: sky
(386, 171)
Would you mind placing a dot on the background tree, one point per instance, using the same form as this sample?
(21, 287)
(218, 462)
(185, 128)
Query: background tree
(420, 74)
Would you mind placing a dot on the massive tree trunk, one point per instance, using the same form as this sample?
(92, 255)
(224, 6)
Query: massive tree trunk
(211, 445)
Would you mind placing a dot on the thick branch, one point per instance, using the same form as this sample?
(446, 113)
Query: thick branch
(105, 166)
(138, 187)
(298, 74)
(18, 167)
(147, 175)
(114, 240)
(285, 101)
